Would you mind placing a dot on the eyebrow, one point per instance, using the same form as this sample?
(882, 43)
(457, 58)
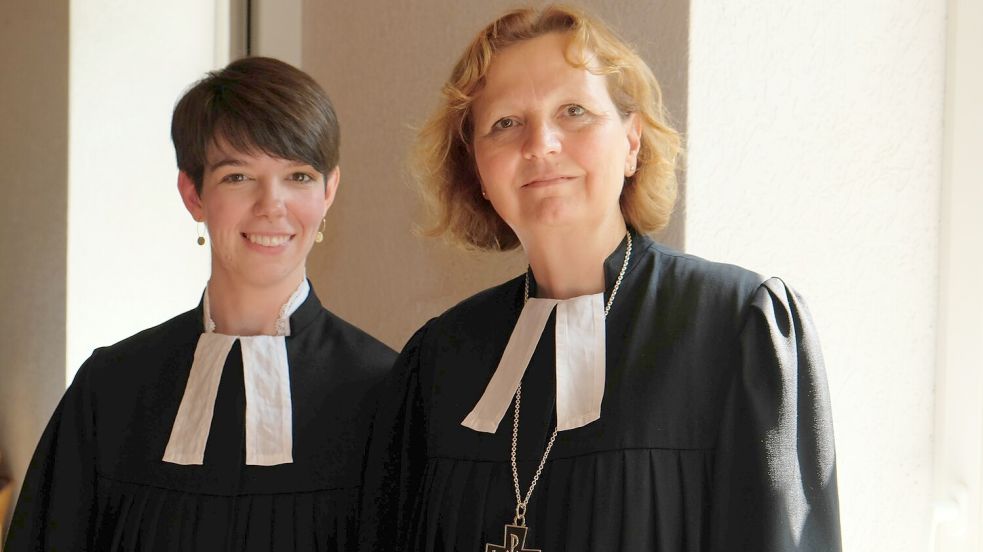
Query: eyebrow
(225, 162)
(236, 162)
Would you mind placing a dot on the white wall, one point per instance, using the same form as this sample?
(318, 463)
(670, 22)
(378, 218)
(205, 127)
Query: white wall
(132, 257)
(815, 144)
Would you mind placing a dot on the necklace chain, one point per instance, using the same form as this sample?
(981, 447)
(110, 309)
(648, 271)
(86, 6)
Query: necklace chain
(520, 502)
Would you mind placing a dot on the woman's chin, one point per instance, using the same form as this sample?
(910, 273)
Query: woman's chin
(550, 212)
(558, 213)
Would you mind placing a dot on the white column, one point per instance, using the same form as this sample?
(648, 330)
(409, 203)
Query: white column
(132, 257)
(958, 515)
(815, 140)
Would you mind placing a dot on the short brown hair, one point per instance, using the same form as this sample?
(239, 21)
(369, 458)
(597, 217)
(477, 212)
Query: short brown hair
(444, 160)
(256, 103)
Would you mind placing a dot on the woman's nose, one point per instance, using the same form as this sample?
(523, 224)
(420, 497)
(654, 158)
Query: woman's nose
(542, 139)
(270, 200)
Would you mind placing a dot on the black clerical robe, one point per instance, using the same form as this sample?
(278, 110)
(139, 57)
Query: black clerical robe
(715, 431)
(97, 481)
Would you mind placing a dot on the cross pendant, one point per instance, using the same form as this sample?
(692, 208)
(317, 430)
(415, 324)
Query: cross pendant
(515, 541)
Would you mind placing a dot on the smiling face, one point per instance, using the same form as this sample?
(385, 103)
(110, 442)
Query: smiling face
(551, 148)
(262, 214)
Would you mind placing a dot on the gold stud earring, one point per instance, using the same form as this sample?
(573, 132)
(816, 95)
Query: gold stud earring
(319, 237)
(201, 234)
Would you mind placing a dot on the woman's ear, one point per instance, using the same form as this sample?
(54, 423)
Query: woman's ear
(331, 181)
(190, 196)
(633, 129)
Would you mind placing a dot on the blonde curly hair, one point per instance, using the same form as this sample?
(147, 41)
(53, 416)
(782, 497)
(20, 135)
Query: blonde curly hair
(443, 160)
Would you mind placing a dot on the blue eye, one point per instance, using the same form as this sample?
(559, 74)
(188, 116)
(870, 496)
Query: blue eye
(575, 111)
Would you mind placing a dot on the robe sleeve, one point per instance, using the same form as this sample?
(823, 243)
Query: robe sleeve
(774, 480)
(57, 499)
(396, 455)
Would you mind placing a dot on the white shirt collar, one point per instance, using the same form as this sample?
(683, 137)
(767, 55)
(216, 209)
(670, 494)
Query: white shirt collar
(580, 363)
(269, 409)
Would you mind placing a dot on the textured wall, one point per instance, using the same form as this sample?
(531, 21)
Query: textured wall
(34, 157)
(815, 145)
(383, 65)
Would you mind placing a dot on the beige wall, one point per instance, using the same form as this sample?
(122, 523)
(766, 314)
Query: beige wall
(383, 68)
(33, 103)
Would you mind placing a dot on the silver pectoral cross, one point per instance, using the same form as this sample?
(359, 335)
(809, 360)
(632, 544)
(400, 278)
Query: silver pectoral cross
(515, 541)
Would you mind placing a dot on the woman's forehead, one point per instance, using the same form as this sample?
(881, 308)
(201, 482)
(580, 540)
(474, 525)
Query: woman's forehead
(221, 153)
(537, 68)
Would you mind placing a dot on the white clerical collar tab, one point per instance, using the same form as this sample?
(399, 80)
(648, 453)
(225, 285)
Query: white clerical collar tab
(269, 409)
(580, 363)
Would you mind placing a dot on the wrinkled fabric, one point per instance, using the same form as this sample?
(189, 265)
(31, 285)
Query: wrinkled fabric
(716, 432)
(97, 481)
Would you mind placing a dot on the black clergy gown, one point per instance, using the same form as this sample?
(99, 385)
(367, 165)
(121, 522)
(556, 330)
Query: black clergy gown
(97, 481)
(715, 431)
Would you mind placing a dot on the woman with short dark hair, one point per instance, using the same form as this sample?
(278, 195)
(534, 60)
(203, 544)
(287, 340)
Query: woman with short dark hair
(241, 424)
(619, 395)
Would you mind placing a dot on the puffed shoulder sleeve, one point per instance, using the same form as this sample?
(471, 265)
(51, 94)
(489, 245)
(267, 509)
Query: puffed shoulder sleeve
(775, 469)
(396, 454)
(57, 499)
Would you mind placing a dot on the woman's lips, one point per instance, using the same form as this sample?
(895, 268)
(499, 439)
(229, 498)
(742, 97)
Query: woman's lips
(547, 180)
(268, 240)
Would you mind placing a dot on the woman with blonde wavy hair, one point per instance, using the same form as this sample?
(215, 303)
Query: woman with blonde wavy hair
(619, 395)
